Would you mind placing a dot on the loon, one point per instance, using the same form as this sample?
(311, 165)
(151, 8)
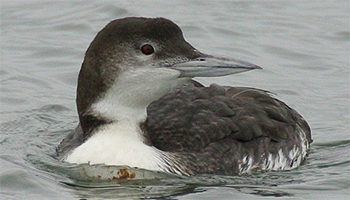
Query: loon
(138, 106)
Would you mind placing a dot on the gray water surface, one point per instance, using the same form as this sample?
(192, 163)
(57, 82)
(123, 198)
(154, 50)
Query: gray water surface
(303, 46)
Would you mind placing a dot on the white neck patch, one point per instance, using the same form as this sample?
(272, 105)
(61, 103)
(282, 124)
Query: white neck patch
(134, 90)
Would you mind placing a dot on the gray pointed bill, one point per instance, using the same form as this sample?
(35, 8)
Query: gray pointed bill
(210, 66)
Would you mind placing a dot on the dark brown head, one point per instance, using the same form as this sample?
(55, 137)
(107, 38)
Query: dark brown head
(133, 61)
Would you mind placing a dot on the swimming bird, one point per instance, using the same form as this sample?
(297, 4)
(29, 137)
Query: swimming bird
(139, 106)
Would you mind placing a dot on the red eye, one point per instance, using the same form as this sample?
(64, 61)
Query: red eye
(147, 49)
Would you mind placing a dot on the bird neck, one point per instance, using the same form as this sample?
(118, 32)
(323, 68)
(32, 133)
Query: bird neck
(128, 97)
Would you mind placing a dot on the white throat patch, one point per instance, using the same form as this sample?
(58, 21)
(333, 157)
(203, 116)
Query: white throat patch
(133, 91)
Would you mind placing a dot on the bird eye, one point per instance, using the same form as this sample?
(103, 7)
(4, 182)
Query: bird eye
(147, 49)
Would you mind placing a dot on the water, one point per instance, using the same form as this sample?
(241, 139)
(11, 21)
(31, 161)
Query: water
(303, 47)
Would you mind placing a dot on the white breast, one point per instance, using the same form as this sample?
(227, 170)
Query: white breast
(117, 144)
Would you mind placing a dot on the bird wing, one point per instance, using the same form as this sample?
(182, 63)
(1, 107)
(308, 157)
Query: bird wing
(191, 118)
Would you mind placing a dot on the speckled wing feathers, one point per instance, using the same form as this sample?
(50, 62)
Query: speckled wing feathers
(189, 119)
(211, 128)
